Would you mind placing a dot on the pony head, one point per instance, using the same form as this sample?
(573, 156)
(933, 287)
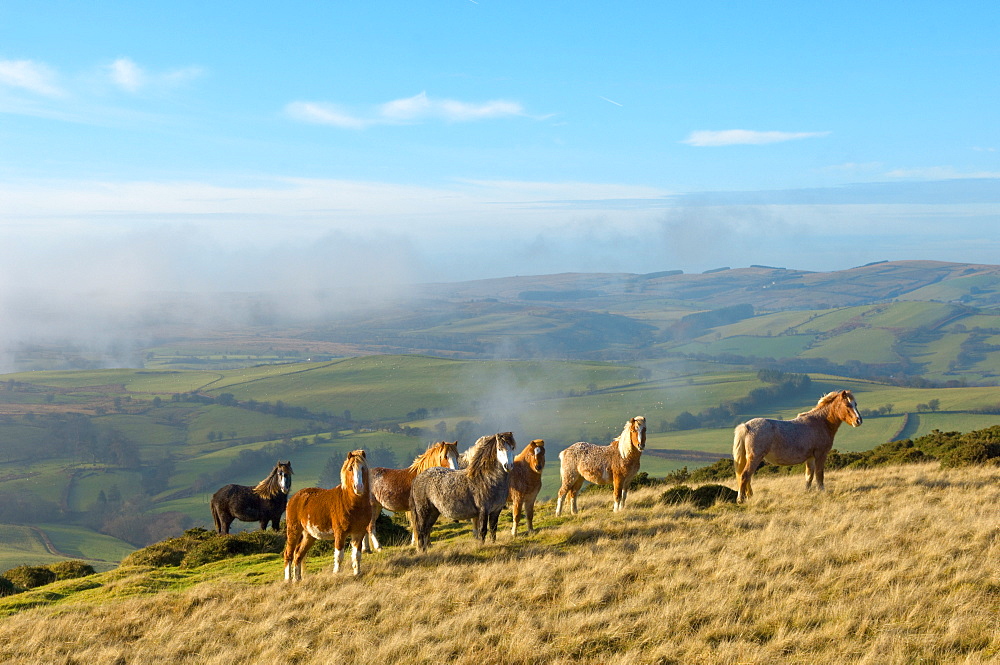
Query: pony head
(441, 453)
(838, 406)
(284, 472)
(505, 450)
(279, 481)
(354, 473)
(632, 436)
(852, 415)
(448, 454)
(536, 455)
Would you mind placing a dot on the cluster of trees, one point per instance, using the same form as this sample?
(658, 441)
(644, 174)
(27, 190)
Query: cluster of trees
(77, 437)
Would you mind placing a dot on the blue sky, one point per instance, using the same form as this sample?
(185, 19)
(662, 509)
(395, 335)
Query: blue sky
(252, 145)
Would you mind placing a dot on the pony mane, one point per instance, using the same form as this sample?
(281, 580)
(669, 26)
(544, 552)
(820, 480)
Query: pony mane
(269, 487)
(826, 400)
(423, 460)
(624, 440)
(481, 457)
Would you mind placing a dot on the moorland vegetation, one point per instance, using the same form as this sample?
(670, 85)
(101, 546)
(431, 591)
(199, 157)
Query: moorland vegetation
(892, 564)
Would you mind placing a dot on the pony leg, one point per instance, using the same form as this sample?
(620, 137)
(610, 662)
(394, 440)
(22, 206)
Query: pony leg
(299, 555)
(356, 545)
(529, 513)
(339, 542)
(371, 539)
(743, 476)
(494, 518)
(515, 513)
(820, 468)
(413, 529)
(559, 501)
(288, 556)
(810, 472)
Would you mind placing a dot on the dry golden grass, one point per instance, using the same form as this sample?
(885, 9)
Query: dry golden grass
(897, 565)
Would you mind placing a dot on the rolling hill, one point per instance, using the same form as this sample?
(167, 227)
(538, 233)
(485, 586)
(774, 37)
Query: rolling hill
(132, 454)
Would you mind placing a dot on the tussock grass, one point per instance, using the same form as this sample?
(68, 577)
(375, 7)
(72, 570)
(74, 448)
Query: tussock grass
(890, 565)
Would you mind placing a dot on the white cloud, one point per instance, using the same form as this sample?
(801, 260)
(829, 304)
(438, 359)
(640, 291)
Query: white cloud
(129, 76)
(940, 173)
(418, 108)
(29, 75)
(324, 114)
(709, 138)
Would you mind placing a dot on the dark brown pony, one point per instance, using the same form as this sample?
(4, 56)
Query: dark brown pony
(391, 487)
(806, 438)
(339, 514)
(614, 464)
(263, 503)
(525, 483)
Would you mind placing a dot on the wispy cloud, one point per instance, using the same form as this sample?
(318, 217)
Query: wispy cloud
(129, 76)
(408, 110)
(29, 75)
(710, 138)
(940, 173)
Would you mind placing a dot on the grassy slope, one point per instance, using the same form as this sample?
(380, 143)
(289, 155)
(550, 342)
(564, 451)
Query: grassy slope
(895, 565)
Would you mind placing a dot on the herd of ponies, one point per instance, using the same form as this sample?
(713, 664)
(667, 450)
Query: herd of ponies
(480, 482)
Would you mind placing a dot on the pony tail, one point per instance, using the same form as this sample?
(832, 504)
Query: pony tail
(739, 447)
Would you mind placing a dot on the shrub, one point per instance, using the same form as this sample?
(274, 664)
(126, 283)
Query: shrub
(8, 588)
(169, 552)
(29, 577)
(217, 547)
(705, 496)
(68, 570)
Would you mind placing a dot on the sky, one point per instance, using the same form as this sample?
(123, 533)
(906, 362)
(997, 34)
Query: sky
(362, 145)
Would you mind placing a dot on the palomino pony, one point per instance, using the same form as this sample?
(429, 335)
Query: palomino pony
(391, 487)
(615, 464)
(263, 503)
(525, 482)
(477, 492)
(806, 438)
(339, 514)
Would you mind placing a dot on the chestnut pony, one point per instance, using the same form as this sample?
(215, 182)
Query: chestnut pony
(614, 464)
(525, 483)
(806, 438)
(391, 487)
(339, 514)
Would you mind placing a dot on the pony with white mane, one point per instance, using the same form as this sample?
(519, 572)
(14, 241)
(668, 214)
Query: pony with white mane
(339, 514)
(477, 492)
(614, 464)
(806, 438)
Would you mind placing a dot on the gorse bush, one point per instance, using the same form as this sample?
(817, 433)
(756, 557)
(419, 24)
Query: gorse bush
(68, 570)
(705, 496)
(29, 577)
(8, 588)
